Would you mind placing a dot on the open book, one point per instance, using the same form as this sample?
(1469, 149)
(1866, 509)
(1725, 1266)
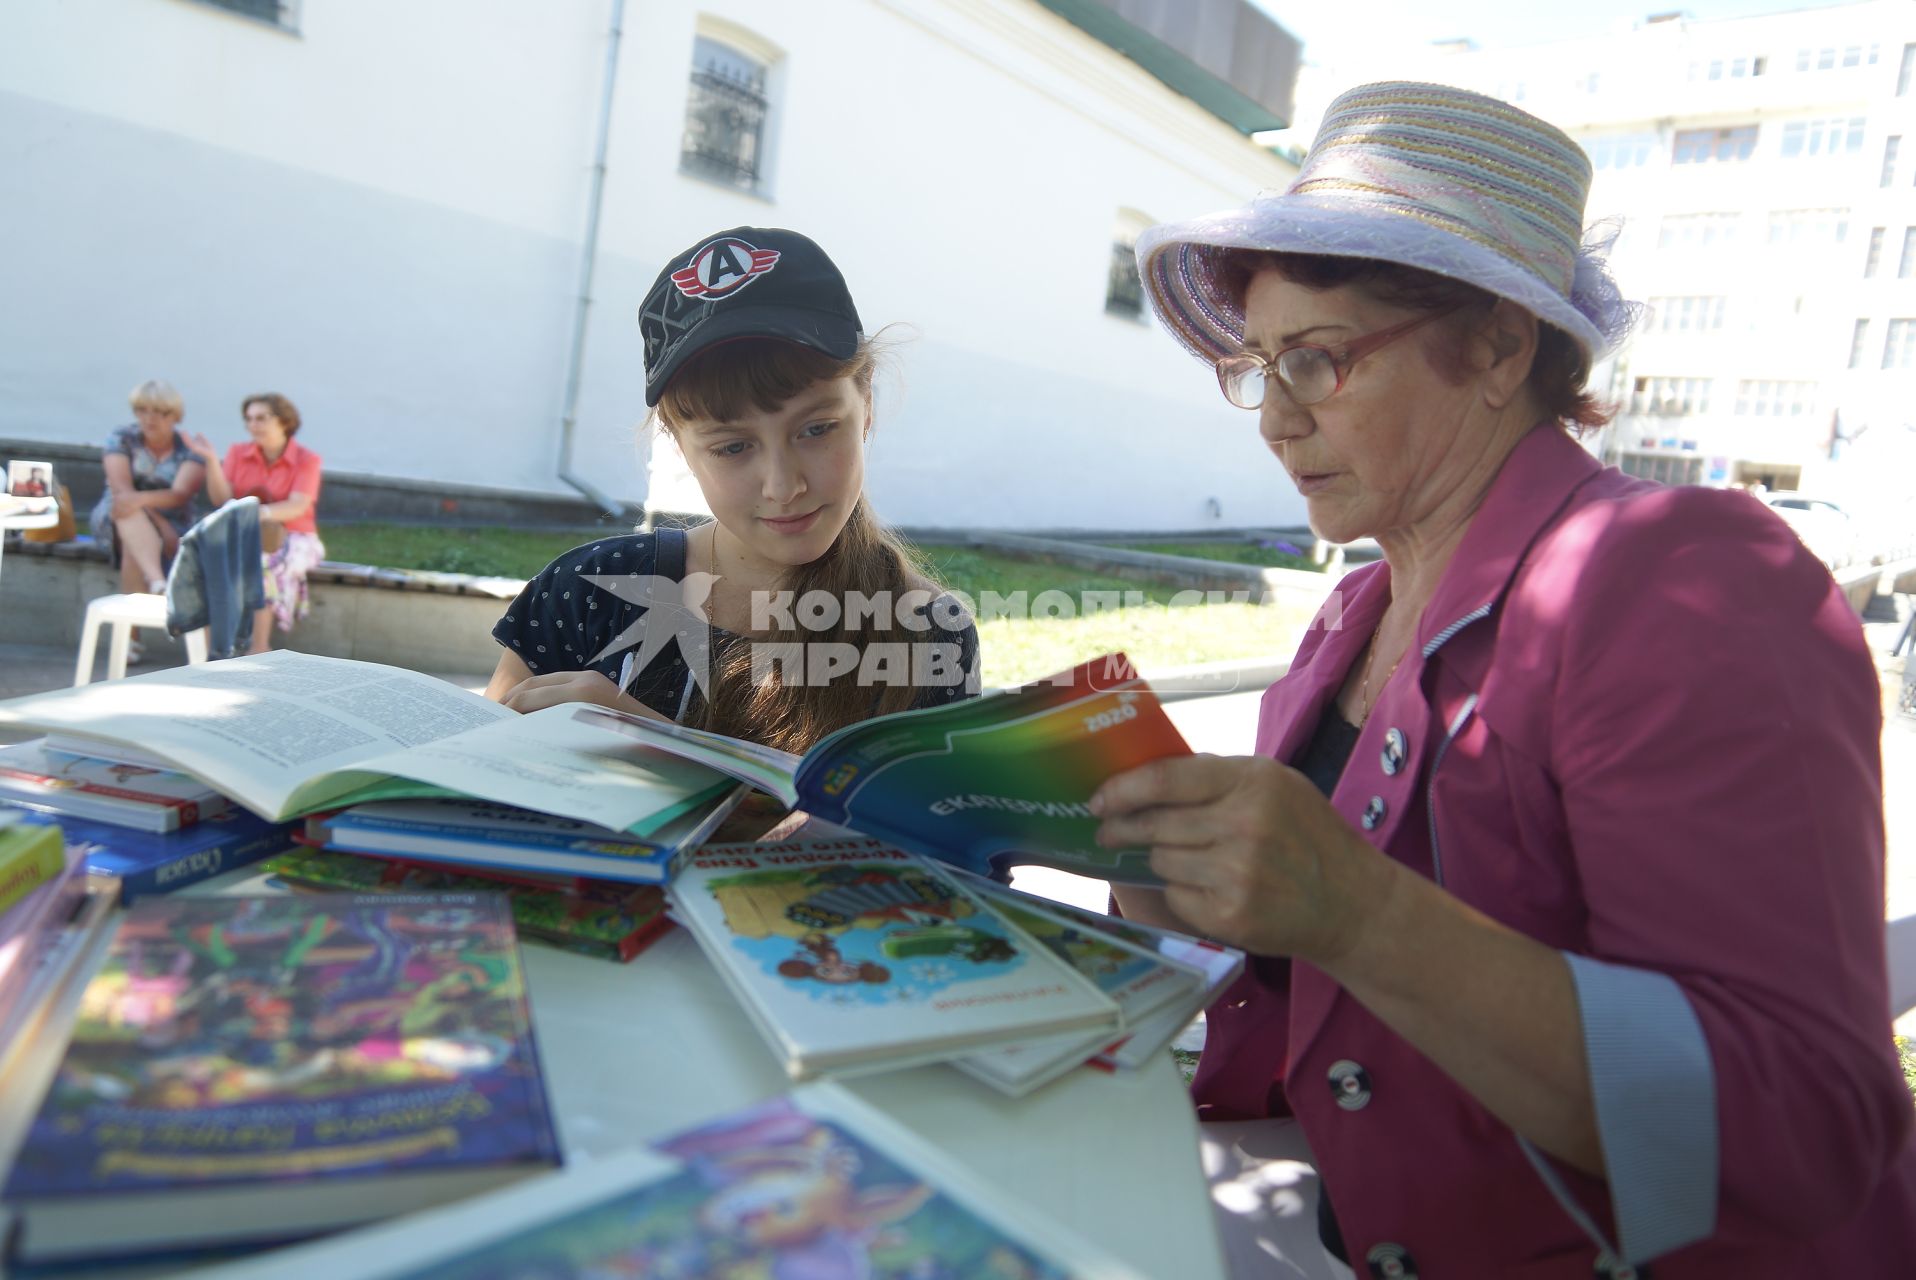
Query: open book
(290, 733)
(985, 784)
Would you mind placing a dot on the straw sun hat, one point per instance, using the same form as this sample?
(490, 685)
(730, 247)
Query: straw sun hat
(1423, 175)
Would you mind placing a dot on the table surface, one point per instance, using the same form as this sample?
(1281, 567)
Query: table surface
(635, 1051)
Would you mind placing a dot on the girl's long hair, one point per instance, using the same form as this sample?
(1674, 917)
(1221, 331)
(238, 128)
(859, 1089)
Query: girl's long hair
(721, 385)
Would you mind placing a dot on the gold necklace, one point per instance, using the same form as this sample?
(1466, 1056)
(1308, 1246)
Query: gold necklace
(1370, 663)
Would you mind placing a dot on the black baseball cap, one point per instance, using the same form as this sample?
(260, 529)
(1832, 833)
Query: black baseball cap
(749, 282)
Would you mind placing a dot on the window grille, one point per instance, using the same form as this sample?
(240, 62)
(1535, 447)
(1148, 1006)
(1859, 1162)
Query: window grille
(725, 111)
(1123, 289)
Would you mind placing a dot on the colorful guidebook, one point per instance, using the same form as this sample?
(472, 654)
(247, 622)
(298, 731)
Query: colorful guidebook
(479, 833)
(126, 795)
(854, 955)
(816, 1184)
(250, 1069)
(153, 862)
(985, 784)
(286, 734)
(600, 918)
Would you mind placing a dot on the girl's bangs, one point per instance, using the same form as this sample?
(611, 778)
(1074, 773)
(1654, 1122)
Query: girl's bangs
(727, 381)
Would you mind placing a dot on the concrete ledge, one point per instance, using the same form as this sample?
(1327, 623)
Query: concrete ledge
(425, 621)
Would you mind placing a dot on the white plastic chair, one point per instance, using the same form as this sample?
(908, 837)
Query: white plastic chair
(123, 613)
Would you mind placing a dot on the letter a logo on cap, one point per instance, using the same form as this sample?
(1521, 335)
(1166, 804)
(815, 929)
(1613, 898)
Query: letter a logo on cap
(723, 267)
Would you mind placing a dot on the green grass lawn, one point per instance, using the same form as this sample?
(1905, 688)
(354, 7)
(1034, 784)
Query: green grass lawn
(1156, 634)
(1271, 552)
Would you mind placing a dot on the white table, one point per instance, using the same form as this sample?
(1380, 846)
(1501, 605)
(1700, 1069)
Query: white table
(635, 1051)
(13, 518)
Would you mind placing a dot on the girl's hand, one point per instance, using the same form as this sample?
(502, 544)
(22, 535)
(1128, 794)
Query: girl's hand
(200, 447)
(538, 692)
(1251, 853)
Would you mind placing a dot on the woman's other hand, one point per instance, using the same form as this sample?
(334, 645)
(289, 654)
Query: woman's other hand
(535, 693)
(200, 447)
(1251, 853)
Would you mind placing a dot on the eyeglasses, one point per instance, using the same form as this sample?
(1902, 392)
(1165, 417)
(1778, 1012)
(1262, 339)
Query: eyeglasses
(1310, 373)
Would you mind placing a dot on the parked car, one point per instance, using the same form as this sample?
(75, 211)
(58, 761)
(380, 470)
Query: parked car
(1825, 528)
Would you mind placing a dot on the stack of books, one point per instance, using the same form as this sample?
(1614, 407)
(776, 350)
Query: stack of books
(51, 914)
(247, 1070)
(406, 783)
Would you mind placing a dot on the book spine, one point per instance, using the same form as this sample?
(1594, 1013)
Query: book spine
(39, 859)
(202, 864)
(348, 824)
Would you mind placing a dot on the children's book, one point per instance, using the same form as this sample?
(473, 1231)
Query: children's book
(147, 863)
(254, 1069)
(985, 784)
(1141, 982)
(1147, 1034)
(854, 955)
(479, 833)
(41, 969)
(817, 1184)
(125, 795)
(288, 733)
(30, 857)
(602, 918)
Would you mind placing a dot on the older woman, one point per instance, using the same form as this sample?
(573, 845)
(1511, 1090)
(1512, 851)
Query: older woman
(1562, 849)
(285, 476)
(152, 488)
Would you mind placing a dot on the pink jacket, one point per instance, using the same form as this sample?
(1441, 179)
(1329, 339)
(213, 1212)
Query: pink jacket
(1640, 726)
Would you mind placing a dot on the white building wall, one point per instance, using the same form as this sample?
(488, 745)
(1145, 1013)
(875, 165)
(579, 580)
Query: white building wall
(1790, 305)
(380, 216)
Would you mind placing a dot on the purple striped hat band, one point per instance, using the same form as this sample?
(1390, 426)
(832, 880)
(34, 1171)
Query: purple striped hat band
(1427, 176)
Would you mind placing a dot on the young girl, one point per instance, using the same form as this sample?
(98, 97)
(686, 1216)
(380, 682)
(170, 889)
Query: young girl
(793, 612)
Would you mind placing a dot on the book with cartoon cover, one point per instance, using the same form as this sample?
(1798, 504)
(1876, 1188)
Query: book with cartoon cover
(855, 955)
(817, 1184)
(253, 1069)
(985, 784)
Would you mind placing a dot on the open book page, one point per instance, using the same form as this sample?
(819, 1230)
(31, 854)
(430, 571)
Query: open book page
(548, 761)
(260, 728)
(767, 768)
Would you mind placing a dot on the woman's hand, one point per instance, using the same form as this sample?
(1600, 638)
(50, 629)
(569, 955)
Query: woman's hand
(1251, 853)
(200, 447)
(128, 503)
(535, 693)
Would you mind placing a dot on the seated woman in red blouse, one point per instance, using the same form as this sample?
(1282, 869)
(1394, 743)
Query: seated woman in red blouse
(284, 476)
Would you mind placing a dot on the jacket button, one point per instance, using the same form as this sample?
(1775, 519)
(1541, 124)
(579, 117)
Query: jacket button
(1350, 1085)
(1391, 1262)
(1374, 813)
(1396, 751)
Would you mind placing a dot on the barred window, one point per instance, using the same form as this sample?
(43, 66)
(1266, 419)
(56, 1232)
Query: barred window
(1890, 147)
(1123, 290)
(1874, 257)
(725, 112)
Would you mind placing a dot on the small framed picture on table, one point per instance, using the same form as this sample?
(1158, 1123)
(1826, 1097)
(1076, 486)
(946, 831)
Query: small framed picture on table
(31, 485)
